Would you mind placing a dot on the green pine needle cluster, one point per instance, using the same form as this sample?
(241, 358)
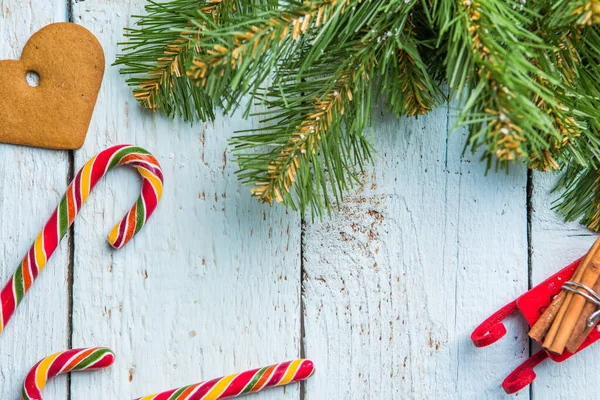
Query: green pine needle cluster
(526, 73)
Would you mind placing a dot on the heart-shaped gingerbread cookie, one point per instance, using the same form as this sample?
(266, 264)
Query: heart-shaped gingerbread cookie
(56, 114)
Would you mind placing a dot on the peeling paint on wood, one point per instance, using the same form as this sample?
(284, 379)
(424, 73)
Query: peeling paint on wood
(198, 294)
(31, 183)
(396, 281)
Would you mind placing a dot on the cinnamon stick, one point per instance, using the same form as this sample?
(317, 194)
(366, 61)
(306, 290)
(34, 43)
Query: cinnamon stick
(553, 313)
(573, 310)
(542, 325)
(549, 338)
(581, 330)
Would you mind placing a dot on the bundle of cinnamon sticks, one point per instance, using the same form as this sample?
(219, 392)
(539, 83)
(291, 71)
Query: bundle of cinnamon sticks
(564, 323)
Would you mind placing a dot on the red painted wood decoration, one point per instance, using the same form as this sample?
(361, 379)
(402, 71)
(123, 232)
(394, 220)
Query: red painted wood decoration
(531, 305)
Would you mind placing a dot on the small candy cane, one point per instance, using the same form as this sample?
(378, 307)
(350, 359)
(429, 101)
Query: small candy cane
(61, 363)
(62, 218)
(241, 384)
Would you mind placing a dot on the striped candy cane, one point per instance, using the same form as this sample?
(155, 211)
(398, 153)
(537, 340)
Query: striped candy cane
(64, 215)
(61, 363)
(222, 388)
(241, 384)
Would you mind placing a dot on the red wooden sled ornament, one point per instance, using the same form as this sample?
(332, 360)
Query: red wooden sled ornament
(531, 305)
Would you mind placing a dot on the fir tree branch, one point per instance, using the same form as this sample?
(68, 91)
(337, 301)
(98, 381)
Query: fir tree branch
(574, 59)
(170, 67)
(526, 73)
(588, 12)
(156, 54)
(567, 13)
(308, 151)
(411, 88)
(304, 140)
(581, 197)
(497, 71)
(162, 45)
(240, 56)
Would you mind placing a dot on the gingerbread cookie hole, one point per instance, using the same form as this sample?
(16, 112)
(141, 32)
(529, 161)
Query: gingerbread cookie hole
(32, 78)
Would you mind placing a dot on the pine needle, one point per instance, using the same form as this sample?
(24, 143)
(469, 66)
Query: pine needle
(525, 74)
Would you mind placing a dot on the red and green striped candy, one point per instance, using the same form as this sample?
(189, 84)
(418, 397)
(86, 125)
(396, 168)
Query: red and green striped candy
(235, 385)
(62, 363)
(57, 226)
(241, 384)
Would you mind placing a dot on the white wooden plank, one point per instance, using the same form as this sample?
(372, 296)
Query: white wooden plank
(555, 245)
(425, 251)
(211, 285)
(31, 182)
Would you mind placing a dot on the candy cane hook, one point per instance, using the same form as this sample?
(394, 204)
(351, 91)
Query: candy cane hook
(64, 215)
(241, 384)
(221, 388)
(61, 363)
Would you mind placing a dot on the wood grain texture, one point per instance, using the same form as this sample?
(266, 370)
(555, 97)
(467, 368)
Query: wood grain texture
(392, 284)
(31, 182)
(395, 282)
(211, 285)
(556, 244)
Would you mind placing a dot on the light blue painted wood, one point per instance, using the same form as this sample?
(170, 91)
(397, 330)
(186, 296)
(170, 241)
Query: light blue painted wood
(211, 286)
(392, 284)
(31, 183)
(555, 245)
(415, 259)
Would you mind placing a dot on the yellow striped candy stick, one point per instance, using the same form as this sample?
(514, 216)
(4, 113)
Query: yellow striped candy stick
(61, 363)
(64, 215)
(241, 384)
